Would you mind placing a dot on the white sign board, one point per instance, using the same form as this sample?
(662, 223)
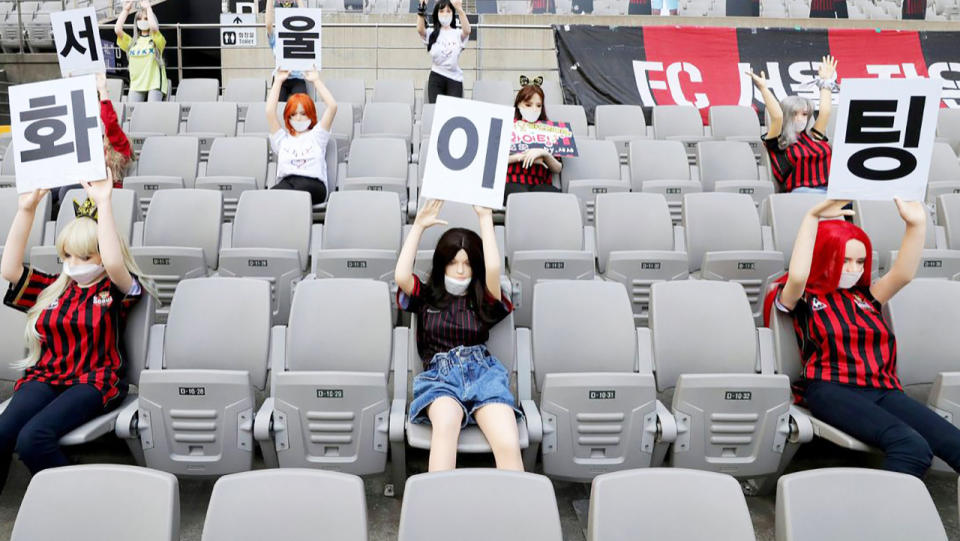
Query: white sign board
(233, 33)
(298, 38)
(468, 153)
(247, 8)
(57, 138)
(77, 39)
(884, 139)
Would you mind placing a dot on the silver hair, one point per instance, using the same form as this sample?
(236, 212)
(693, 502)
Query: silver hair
(791, 105)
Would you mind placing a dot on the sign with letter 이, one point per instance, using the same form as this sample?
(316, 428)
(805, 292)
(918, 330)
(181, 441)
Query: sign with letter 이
(298, 38)
(884, 139)
(467, 158)
(57, 138)
(77, 39)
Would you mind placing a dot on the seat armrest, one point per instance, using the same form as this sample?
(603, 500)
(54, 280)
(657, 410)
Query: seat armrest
(590, 240)
(766, 237)
(316, 238)
(534, 422)
(940, 234)
(644, 351)
(226, 235)
(804, 428)
(398, 420)
(766, 358)
(524, 364)
(276, 361)
(667, 424)
(49, 233)
(679, 239)
(262, 422)
(625, 173)
(155, 348)
(127, 420)
(136, 238)
(400, 362)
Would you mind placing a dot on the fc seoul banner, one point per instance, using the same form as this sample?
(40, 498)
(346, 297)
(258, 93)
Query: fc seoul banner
(685, 65)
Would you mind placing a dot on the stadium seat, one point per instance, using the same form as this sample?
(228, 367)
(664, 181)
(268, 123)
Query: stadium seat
(150, 119)
(39, 30)
(678, 123)
(592, 370)
(195, 412)
(734, 414)
(342, 128)
(309, 502)
(115, 90)
(12, 344)
(545, 240)
(7, 168)
(126, 211)
(165, 163)
(255, 123)
(855, 503)
(394, 91)
(128, 498)
(667, 504)
(235, 165)
(330, 405)
(9, 203)
(736, 123)
(944, 172)
(552, 94)
(423, 126)
(387, 120)
(350, 91)
(179, 239)
(574, 114)
(662, 167)
(456, 215)
(730, 166)
(11, 34)
(784, 212)
(948, 127)
(269, 239)
(243, 91)
(493, 91)
(210, 121)
(724, 241)
(948, 216)
(596, 170)
(190, 91)
(637, 245)
(882, 223)
(360, 237)
(377, 164)
(518, 506)
(620, 124)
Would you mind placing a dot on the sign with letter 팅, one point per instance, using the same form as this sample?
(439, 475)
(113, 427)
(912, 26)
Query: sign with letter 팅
(77, 39)
(298, 38)
(467, 158)
(884, 139)
(57, 138)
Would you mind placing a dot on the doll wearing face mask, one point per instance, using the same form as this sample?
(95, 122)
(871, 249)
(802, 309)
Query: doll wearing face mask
(533, 169)
(444, 42)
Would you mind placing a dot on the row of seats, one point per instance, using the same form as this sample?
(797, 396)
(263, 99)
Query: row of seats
(663, 504)
(36, 29)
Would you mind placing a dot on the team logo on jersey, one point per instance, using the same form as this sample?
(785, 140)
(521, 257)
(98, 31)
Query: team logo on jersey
(103, 299)
(863, 303)
(817, 304)
(53, 305)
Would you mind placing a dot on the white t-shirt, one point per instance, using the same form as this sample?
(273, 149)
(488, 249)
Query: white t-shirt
(446, 52)
(304, 155)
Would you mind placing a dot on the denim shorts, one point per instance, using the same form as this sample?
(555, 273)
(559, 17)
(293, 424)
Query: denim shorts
(467, 374)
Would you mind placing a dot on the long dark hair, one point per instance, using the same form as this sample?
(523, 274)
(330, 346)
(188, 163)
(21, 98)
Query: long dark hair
(449, 245)
(525, 94)
(436, 21)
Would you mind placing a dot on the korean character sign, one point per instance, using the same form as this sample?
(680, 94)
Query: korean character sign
(57, 136)
(298, 39)
(884, 138)
(557, 137)
(468, 152)
(77, 38)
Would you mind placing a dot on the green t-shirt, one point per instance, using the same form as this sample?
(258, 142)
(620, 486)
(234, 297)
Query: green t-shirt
(145, 72)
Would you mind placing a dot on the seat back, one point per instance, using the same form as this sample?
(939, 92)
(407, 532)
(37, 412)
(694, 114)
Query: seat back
(115, 89)
(387, 119)
(926, 346)
(348, 90)
(657, 160)
(177, 156)
(619, 121)
(255, 122)
(715, 222)
(543, 221)
(156, 117)
(629, 222)
(597, 160)
(574, 114)
(309, 501)
(882, 223)
(217, 118)
(7, 167)
(948, 216)
(785, 212)
(186, 218)
(9, 201)
(396, 91)
(13, 346)
(725, 160)
(948, 126)
(274, 219)
(626, 502)
(378, 157)
(86, 497)
(380, 229)
(676, 121)
(733, 121)
(943, 164)
(197, 90)
(239, 157)
(880, 505)
(552, 94)
(493, 91)
(126, 210)
(432, 503)
(244, 90)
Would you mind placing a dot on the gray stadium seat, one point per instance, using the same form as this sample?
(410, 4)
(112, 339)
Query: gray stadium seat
(330, 405)
(574, 114)
(115, 90)
(342, 128)
(350, 91)
(637, 245)
(944, 172)
(9, 201)
(310, 502)
(855, 503)
(377, 164)
(152, 118)
(421, 130)
(235, 165)
(598, 399)
(518, 506)
(190, 91)
(545, 240)
(269, 239)
(387, 120)
(736, 123)
(948, 127)
(126, 211)
(394, 91)
(724, 241)
(647, 504)
(255, 123)
(180, 239)
(12, 344)
(243, 91)
(165, 163)
(39, 30)
(620, 124)
(596, 170)
(7, 168)
(784, 213)
(353, 248)
(552, 93)
(678, 123)
(882, 223)
(948, 216)
(210, 121)
(734, 414)
(194, 415)
(493, 91)
(128, 498)
(662, 167)
(730, 166)
(456, 215)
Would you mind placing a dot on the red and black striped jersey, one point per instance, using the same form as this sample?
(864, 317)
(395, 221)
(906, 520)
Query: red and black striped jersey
(914, 9)
(536, 174)
(844, 339)
(805, 163)
(80, 332)
(457, 324)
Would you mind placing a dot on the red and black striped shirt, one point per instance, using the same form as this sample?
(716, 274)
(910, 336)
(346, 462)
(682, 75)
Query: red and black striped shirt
(536, 174)
(844, 339)
(80, 333)
(457, 324)
(805, 163)
(914, 9)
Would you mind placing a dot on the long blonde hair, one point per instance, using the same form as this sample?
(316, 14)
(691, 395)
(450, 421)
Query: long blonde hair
(79, 238)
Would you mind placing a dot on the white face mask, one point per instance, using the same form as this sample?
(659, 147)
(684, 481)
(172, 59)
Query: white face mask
(300, 125)
(455, 287)
(143, 25)
(445, 20)
(849, 279)
(530, 114)
(83, 274)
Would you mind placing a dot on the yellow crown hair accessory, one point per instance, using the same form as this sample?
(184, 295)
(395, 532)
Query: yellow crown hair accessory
(524, 80)
(85, 210)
